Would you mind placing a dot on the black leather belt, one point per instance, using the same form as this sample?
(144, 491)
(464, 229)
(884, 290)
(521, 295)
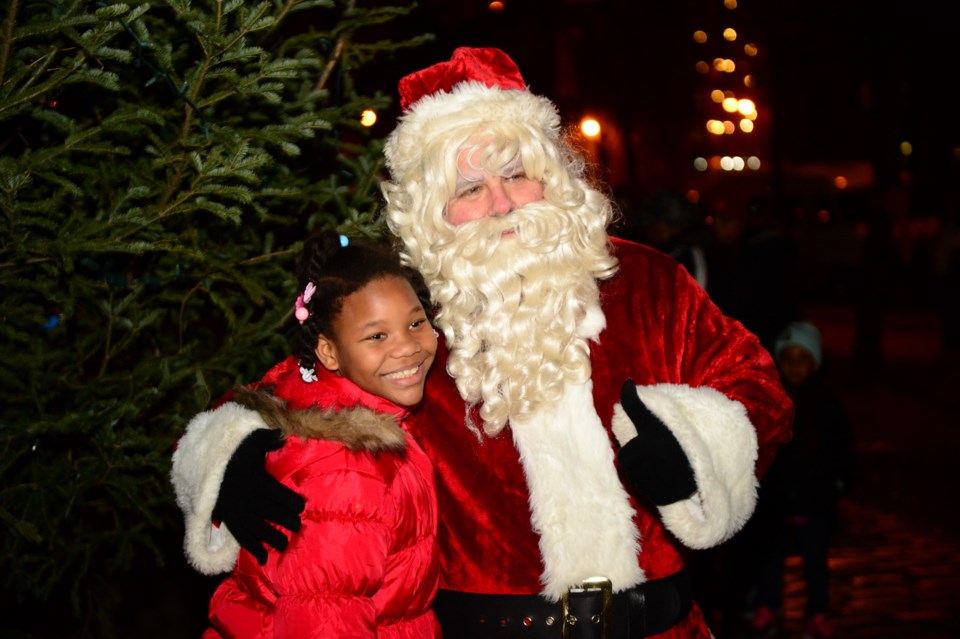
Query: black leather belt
(591, 612)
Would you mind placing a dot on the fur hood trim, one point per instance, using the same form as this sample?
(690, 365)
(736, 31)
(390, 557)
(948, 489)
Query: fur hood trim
(359, 428)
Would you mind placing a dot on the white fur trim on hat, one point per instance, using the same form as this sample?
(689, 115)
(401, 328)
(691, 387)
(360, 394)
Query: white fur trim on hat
(466, 106)
(721, 446)
(198, 466)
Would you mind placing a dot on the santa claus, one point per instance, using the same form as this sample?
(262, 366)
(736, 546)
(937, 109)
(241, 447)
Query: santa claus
(598, 414)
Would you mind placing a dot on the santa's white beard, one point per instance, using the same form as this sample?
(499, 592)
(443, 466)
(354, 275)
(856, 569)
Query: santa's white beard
(514, 292)
(518, 311)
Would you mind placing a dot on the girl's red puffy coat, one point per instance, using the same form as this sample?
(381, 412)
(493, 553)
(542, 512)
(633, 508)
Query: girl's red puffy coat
(364, 563)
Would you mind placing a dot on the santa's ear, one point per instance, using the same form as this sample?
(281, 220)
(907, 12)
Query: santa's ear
(326, 352)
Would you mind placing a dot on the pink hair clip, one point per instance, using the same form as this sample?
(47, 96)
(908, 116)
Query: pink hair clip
(302, 312)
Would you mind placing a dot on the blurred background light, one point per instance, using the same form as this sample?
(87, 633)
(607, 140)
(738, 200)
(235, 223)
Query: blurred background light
(590, 127)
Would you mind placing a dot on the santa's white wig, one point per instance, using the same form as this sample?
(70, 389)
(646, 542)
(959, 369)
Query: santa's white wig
(513, 306)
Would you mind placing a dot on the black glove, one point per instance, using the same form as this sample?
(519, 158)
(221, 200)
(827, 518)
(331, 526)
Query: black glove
(250, 496)
(653, 459)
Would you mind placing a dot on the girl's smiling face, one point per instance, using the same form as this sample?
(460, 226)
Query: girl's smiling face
(382, 341)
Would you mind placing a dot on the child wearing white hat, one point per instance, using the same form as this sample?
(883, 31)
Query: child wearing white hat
(799, 497)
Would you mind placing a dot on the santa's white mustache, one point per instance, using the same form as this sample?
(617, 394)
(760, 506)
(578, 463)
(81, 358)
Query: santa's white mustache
(538, 226)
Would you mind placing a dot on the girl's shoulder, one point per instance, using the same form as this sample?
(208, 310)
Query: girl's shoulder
(358, 429)
(323, 447)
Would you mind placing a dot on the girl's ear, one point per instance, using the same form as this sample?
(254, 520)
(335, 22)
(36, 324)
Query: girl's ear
(326, 352)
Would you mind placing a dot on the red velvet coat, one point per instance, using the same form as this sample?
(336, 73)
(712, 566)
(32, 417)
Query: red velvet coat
(364, 563)
(661, 329)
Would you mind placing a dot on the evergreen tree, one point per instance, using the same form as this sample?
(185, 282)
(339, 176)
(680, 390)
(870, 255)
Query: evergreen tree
(160, 164)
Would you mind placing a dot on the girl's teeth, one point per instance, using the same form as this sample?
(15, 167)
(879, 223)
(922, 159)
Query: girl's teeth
(402, 374)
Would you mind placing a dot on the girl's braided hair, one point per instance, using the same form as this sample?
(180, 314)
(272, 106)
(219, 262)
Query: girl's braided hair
(338, 271)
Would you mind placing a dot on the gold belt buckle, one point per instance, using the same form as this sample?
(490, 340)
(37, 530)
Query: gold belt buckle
(606, 606)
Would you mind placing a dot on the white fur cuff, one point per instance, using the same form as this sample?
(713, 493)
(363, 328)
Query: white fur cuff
(721, 445)
(198, 466)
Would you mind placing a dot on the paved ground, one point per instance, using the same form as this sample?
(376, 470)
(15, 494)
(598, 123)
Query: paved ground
(896, 558)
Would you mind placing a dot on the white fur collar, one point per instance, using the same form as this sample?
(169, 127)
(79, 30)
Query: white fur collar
(579, 507)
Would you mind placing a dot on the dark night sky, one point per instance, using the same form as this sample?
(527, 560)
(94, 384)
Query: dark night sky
(849, 79)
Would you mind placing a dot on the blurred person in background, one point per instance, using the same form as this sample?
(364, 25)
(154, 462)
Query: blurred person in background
(799, 497)
(673, 225)
(752, 266)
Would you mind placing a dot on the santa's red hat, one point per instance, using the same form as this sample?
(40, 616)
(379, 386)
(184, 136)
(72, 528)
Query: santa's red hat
(475, 86)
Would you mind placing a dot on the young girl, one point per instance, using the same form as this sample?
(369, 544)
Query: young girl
(364, 563)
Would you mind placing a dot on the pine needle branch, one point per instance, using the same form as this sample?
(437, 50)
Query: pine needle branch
(8, 25)
(335, 55)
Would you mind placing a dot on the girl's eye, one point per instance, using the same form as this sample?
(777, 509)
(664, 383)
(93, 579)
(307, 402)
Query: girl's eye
(377, 337)
(418, 323)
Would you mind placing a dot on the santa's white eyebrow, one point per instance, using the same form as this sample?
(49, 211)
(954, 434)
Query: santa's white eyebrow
(466, 180)
(512, 165)
(510, 168)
